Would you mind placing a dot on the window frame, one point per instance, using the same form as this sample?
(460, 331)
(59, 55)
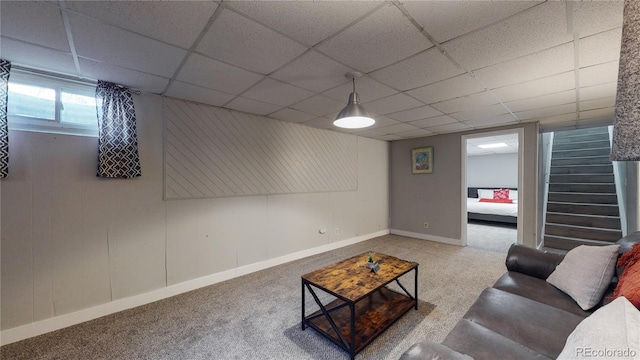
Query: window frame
(56, 125)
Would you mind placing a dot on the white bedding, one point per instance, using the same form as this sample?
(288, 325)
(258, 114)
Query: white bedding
(475, 206)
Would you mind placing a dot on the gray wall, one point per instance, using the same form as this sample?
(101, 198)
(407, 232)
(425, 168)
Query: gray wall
(497, 170)
(72, 241)
(436, 198)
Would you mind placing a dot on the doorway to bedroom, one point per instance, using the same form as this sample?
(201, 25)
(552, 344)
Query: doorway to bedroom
(492, 172)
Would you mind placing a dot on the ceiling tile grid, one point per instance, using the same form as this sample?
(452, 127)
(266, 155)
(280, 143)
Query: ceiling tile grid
(429, 67)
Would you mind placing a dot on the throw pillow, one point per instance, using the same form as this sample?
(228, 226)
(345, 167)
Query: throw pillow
(513, 194)
(485, 194)
(585, 273)
(501, 194)
(629, 282)
(611, 332)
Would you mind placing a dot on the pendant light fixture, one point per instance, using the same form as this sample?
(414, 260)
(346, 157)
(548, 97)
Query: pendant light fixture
(353, 116)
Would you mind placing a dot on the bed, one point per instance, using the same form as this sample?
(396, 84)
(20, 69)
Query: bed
(492, 211)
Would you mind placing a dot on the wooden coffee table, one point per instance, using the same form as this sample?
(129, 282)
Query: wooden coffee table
(364, 307)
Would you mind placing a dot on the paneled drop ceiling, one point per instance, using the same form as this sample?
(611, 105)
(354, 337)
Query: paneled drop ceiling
(430, 67)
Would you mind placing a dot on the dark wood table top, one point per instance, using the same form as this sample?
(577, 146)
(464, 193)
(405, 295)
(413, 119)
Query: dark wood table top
(351, 279)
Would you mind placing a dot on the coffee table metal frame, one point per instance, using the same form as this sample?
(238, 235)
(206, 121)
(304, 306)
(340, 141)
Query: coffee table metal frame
(325, 311)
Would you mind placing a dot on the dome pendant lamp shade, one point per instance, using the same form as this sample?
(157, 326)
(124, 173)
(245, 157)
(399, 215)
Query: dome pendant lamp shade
(354, 115)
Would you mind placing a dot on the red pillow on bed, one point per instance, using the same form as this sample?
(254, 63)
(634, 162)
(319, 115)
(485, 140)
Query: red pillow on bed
(501, 201)
(501, 194)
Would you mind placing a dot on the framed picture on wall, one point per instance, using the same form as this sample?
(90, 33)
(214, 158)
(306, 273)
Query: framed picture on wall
(422, 160)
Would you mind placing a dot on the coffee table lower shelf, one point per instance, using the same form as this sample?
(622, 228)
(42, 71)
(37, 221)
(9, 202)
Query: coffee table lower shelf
(373, 315)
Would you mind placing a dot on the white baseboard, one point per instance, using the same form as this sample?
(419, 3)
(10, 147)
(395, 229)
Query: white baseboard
(427, 237)
(55, 323)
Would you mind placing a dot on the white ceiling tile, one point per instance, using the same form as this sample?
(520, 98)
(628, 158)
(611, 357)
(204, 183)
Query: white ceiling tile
(443, 129)
(382, 121)
(36, 57)
(17, 22)
(530, 31)
(321, 123)
(213, 74)
(606, 113)
(600, 48)
(133, 79)
(367, 89)
(383, 38)
(292, 115)
(499, 120)
(422, 69)
(545, 63)
(391, 104)
(560, 98)
(447, 89)
(598, 103)
(434, 121)
(175, 22)
(599, 74)
(445, 20)
(320, 105)
(199, 94)
(313, 71)
(372, 132)
(591, 17)
(414, 133)
(545, 86)
(564, 119)
(251, 106)
(389, 137)
(397, 128)
(598, 91)
(593, 122)
(547, 112)
(422, 112)
(100, 42)
(481, 113)
(235, 39)
(306, 21)
(466, 103)
(276, 92)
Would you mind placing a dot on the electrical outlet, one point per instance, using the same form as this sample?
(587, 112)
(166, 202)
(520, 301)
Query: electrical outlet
(337, 232)
(426, 225)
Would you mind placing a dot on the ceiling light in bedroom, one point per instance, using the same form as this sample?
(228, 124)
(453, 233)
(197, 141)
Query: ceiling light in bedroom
(492, 146)
(353, 116)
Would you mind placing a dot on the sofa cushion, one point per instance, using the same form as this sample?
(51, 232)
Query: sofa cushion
(540, 327)
(585, 273)
(538, 290)
(613, 331)
(480, 343)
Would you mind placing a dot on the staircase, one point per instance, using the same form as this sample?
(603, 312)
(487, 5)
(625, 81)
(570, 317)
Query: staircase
(582, 206)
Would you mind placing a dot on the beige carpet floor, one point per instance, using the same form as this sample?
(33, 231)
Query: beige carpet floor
(257, 316)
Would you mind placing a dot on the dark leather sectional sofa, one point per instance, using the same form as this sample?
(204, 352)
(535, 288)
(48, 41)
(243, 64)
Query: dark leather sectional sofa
(520, 317)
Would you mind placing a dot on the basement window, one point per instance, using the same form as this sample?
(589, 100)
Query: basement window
(45, 104)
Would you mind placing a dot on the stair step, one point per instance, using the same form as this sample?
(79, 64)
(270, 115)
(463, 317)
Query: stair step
(562, 154)
(565, 243)
(598, 221)
(586, 209)
(559, 139)
(582, 232)
(583, 188)
(583, 198)
(579, 145)
(585, 131)
(588, 160)
(581, 178)
(582, 169)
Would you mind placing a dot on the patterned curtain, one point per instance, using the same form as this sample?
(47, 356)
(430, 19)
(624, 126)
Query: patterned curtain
(5, 67)
(117, 137)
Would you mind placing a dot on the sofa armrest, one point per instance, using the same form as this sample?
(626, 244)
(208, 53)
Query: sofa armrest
(531, 261)
(432, 351)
